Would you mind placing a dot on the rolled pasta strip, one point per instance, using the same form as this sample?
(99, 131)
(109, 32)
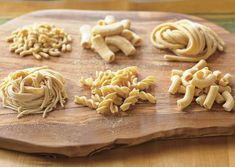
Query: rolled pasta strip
(175, 84)
(188, 97)
(211, 96)
(219, 98)
(224, 81)
(109, 19)
(229, 104)
(122, 43)
(203, 83)
(85, 31)
(108, 30)
(176, 72)
(102, 49)
(200, 99)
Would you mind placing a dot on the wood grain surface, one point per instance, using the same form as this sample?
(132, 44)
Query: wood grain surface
(79, 131)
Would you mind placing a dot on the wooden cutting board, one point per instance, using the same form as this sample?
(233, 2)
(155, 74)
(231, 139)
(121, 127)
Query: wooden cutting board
(80, 131)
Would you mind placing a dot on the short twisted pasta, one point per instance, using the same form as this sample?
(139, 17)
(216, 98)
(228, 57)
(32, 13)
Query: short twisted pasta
(145, 83)
(190, 41)
(82, 100)
(147, 96)
(130, 100)
(123, 91)
(104, 106)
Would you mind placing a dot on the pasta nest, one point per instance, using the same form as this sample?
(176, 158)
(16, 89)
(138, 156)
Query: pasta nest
(190, 41)
(33, 91)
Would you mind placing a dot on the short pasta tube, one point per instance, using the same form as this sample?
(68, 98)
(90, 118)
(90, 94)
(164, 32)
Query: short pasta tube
(107, 30)
(175, 84)
(85, 31)
(188, 97)
(211, 96)
(229, 101)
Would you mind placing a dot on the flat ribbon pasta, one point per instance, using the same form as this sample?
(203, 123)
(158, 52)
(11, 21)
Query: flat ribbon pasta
(33, 91)
(190, 41)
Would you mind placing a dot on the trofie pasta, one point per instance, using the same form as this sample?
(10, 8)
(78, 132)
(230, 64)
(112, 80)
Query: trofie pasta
(109, 37)
(115, 92)
(190, 41)
(40, 41)
(207, 86)
(33, 91)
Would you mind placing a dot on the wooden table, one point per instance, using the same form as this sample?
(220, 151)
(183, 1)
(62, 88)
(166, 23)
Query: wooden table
(211, 152)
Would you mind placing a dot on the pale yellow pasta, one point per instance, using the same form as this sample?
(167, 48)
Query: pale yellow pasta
(85, 31)
(127, 34)
(218, 75)
(122, 43)
(33, 91)
(229, 101)
(188, 97)
(147, 96)
(102, 49)
(109, 19)
(82, 100)
(182, 89)
(113, 48)
(200, 99)
(108, 30)
(203, 83)
(126, 23)
(122, 91)
(211, 96)
(96, 98)
(201, 64)
(225, 88)
(176, 72)
(189, 41)
(86, 82)
(132, 37)
(219, 98)
(225, 80)
(113, 108)
(145, 83)
(175, 84)
(130, 100)
(104, 106)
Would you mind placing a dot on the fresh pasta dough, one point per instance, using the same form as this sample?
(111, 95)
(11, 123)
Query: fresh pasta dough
(189, 41)
(40, 41)
(116, 92)
(206, 85)
(109, 37)
(33, 91)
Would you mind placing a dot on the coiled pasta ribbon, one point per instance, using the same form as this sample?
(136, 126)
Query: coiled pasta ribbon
(33, 91)
(190, 41)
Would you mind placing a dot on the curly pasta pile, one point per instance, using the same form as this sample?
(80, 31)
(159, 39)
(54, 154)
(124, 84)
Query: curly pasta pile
(116, 91)
(190, 41)
(40, 41)
(207, 86)
(33, 91)
(110, 36)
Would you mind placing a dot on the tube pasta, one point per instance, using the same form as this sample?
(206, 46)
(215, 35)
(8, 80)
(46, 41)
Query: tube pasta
(113, 92)
(33, 91)
(229, 104)
(190, 41)
(102, 49)
(107, 30)
(85, 31)
(209, 85)
(211, 96)
(175, 84)
(116, 35)
(123, 44)
(188, 97)
(200, 99)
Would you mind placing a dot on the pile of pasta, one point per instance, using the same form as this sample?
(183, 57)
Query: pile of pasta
(113, 92)
(33, 91)
(110, 36)
(190, 41)
(40, 41)
(207, 86)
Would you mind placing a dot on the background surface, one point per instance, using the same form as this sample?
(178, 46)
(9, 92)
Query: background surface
(209, 152)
